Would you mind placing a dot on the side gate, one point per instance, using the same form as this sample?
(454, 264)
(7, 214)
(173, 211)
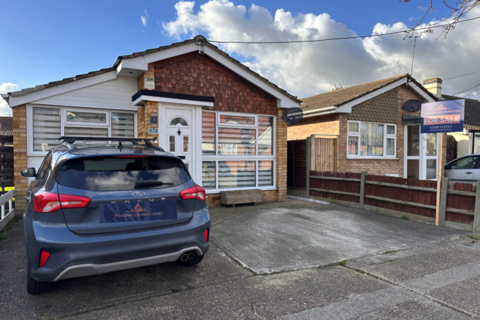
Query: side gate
(316, 153)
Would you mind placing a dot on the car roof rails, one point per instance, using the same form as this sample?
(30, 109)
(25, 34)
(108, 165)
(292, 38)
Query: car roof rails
(68, 141)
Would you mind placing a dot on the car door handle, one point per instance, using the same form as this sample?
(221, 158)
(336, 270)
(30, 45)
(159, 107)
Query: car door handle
(469, 172)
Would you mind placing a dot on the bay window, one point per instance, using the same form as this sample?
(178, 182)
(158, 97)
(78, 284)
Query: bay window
(238, 151)
(371, 139)
(50, 123)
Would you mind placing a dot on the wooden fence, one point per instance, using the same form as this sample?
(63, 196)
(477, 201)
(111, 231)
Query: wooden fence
(317, 153)
(404, 198)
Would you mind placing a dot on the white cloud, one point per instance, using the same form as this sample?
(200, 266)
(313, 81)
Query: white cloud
(4, 108)
(143, 19)
(310, 68)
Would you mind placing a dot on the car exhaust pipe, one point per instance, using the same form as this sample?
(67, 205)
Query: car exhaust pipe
(188, 256)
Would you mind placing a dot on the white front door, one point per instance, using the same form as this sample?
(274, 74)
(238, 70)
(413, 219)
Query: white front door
(421, 154)
(179, 128)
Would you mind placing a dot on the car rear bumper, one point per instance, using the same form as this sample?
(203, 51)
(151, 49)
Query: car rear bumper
(73, 255)
(91, 269)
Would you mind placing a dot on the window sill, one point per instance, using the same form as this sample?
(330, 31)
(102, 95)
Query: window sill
(215, 191)
(371, 158)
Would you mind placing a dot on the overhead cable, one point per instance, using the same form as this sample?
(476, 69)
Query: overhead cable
(342, 38)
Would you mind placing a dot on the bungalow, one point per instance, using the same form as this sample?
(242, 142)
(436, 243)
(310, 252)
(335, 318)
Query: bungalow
(222, 118)
(374, 131)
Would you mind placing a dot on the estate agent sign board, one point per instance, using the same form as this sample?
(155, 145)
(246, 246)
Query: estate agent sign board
(444, 116)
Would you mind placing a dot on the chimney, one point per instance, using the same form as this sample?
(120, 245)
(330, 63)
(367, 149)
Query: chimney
(434, 86)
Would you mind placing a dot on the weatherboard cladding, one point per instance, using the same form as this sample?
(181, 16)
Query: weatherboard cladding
(383, 108)
(200, 75)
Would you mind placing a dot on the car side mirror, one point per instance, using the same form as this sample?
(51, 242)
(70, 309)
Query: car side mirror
(447, 167)
(29, 172)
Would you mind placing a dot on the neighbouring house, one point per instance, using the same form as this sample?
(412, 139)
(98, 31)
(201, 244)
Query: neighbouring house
(373, 132)
(222, 118)
(468, 141)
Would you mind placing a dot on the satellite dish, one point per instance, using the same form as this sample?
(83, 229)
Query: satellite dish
(412, 105)
(292, 115)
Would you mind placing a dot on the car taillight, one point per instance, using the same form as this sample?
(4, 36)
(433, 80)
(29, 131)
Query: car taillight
(46, 202)
(196, 192)
(205, 235)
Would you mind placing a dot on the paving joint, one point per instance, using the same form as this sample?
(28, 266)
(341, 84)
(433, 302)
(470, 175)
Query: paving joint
(399, 285)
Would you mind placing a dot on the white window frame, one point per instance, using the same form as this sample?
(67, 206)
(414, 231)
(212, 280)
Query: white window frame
(233, 125)
(256, 158)
(87, 124)
(385, 137)
(64, 123)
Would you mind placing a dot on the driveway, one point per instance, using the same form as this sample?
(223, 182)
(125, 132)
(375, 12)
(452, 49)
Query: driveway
(275, 260)
(300, 234)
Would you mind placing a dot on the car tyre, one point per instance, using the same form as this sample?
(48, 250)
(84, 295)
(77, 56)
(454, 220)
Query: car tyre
(35, 286)
(192, 262)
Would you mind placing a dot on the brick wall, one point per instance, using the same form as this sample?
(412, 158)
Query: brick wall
(328, 125)
(281, 148)
(200, 75)
(19, 157)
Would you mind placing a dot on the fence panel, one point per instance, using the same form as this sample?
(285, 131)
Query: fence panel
(411, 198)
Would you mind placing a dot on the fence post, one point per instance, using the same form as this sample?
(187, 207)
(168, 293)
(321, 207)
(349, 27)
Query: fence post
(309, 162)
(442, 210)
(476, 219)
(362, 188)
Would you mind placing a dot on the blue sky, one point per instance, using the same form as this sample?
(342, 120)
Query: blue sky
(45, 41)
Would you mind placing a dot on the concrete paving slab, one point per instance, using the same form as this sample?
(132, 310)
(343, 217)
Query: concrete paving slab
(464, 295)
(444, 278)
(417, 266)
(299, 234)
(389, 256)
(259, 297)
(395, 302)
(415, 310)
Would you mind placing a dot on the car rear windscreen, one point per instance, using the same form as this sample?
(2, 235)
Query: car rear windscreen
(116, 173)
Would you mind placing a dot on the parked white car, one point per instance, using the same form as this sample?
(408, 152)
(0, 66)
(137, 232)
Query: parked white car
(464, 169)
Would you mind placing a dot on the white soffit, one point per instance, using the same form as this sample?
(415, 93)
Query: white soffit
(141, 100)
(419, 90)
(61, 88)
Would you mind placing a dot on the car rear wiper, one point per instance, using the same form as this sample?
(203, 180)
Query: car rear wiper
(152, 183)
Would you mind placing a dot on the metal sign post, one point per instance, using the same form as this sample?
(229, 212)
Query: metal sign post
(442, 117)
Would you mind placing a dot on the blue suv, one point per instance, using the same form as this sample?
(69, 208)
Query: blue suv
(93, 209)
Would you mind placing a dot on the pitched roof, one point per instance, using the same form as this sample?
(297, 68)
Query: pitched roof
(149, 51)
(6, 126)
(342, 96)
(472, 112)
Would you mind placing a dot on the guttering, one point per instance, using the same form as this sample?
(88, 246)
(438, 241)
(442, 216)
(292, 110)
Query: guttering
(319, 112)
